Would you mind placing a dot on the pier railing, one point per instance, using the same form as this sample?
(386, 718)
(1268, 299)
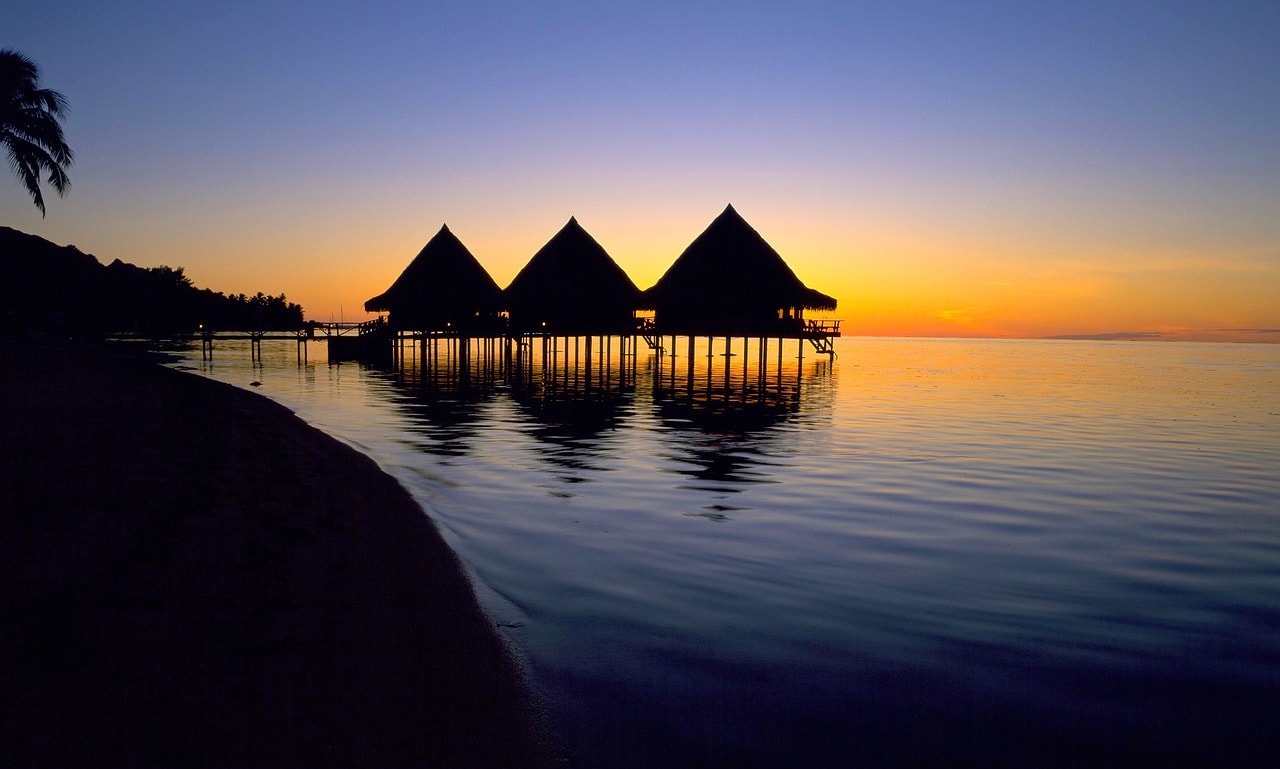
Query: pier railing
(366, 339)
(822, 334)
(822, 327)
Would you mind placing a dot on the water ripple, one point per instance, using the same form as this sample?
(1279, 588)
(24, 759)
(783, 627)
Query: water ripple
(945, 543)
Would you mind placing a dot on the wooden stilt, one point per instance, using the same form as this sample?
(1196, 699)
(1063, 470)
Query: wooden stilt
(728, 354)
(780, 345)
(689, 366)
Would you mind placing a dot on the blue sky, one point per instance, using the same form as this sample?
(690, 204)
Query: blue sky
(906, 157)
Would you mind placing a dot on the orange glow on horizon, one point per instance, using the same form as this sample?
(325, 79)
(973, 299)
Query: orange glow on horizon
(887, 284)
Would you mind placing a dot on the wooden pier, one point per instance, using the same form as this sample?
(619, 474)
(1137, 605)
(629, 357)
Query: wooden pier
(343, 336)
(568, 365)
(565, 366)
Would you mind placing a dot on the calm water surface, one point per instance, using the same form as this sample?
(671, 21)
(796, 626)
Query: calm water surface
(1005, 553)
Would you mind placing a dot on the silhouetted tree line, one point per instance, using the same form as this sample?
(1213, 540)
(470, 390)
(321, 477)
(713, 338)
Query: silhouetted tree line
(62, 290)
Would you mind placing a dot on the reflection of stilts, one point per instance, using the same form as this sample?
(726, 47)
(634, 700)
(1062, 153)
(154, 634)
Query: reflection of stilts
(444, 361)
(731, 371)
(552, 364)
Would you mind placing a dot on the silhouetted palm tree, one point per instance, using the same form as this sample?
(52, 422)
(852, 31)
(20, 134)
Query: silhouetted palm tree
(29, 127)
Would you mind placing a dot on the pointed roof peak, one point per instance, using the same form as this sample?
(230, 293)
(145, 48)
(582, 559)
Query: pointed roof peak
(443, 274)
(574, 229)
(572, 269)
(730, 219)
(731, 257)
(730, 214)
(574, 232)
(444, 236)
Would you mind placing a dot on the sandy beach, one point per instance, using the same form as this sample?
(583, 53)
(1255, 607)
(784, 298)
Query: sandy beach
(194, 577)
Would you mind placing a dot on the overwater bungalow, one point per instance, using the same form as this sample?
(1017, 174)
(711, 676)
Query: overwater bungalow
(444, 289)
(566, 308)
(442, 305)
(572, 287)
(728, 285)
(731, 282)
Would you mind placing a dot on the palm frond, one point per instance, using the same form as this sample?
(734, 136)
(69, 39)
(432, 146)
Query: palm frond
(28, 171)
(29, 127)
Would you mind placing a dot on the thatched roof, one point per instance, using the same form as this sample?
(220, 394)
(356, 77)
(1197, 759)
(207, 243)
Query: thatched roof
(729, 272)
(573, 286)
(443, 284)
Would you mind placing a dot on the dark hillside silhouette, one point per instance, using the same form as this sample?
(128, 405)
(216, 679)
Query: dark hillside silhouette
(46, 287)
(62, 290)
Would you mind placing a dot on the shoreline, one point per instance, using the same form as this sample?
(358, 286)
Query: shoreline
(194, 576)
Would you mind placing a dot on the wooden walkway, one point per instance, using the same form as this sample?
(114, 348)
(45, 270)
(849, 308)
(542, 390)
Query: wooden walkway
(545, 362)
(820, 333)
(309, 332)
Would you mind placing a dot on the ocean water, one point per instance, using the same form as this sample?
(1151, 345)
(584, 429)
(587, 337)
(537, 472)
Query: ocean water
(919, 553)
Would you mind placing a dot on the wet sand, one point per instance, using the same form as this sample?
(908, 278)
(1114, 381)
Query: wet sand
(191, 576)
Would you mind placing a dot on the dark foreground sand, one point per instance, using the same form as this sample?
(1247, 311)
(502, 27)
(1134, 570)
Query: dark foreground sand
(190, 576)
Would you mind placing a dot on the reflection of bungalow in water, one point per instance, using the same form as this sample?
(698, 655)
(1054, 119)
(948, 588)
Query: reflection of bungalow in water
(730, 282)
(443, 288)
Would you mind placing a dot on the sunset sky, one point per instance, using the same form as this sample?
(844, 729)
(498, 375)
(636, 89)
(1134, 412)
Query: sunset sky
(942, 170)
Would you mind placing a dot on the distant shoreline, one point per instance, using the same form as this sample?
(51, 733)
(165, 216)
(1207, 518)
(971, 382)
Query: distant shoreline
(196, 577)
